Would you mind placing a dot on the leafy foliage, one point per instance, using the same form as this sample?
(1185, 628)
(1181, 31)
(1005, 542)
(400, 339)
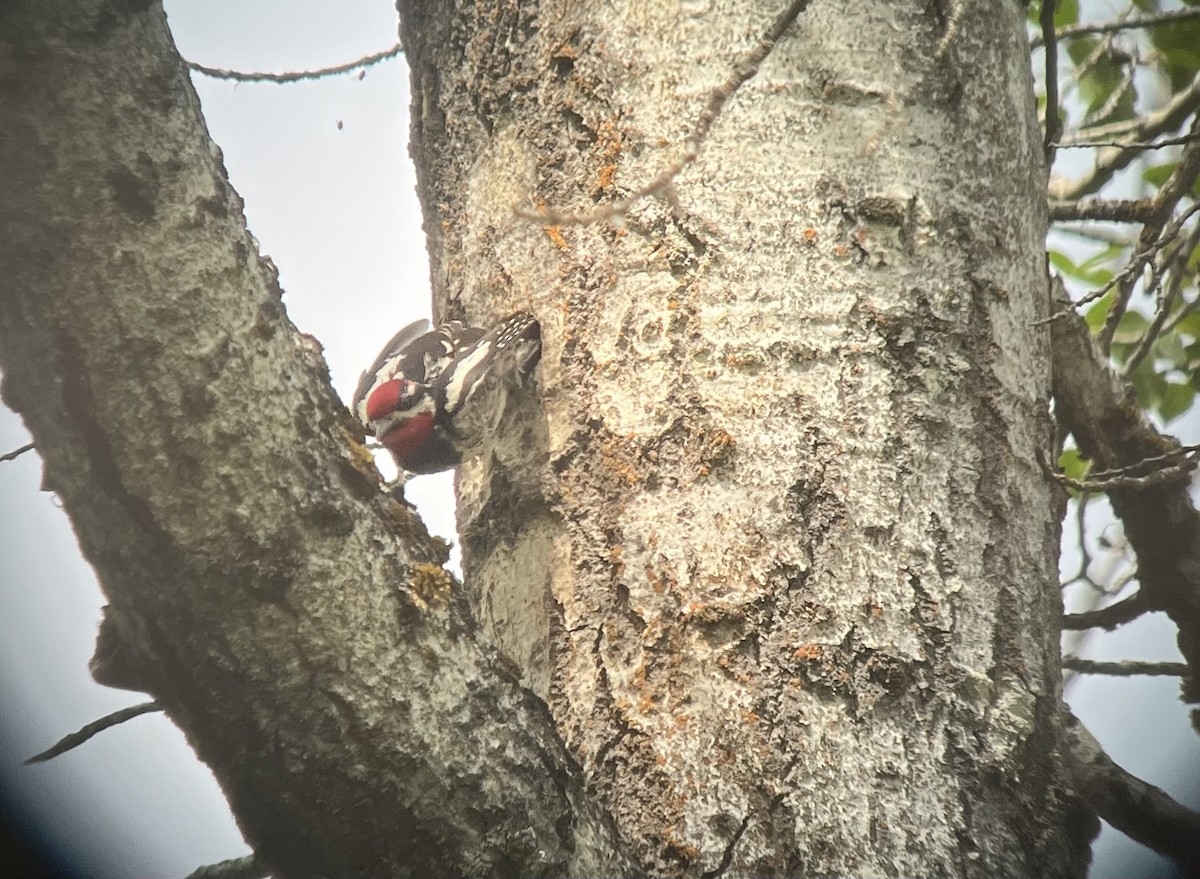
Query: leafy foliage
(1111, 82)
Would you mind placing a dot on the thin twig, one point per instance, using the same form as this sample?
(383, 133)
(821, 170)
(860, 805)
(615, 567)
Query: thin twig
(248, 867)
(1178, 260)
(1127, 277)
(1158, 477)
(75, 739)
(1125, 668)
(1141, 128)
(1168, 118)
(744, 70)
(1108, 618)
(16, 453)
(1053, 121)
(1109, 27)
(1176, 464)
(240, 76)
(1127, 145)
(1178, 317)
(1170, 457)
(1098, 233)
(1154, 237)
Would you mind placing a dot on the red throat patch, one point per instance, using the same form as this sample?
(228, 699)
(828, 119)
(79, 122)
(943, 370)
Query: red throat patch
(407, 438)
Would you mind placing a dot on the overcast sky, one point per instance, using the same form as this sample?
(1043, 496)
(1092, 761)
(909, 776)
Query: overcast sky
(324, 170)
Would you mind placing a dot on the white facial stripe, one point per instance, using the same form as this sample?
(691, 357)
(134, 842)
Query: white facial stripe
(464, 377)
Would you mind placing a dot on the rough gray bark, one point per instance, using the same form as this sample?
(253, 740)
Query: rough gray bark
(782, 559)
(292, 620)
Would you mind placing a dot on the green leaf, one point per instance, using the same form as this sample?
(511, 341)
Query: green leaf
(1170, 347)
(1097, 314)
(1087, 272)
(1190, 325)
(1065, 12)
(1157, 175)
(1150, 386)
(1104, 75)
(1178, 45)
(1131, 328)
(1177, 398)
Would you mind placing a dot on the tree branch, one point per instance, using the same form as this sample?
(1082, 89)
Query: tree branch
(1158, 19)
(1129, 145)
(1175, 464)
(16, 453)
(1160, 521)
(1119, 211)
(1053, 120)
(75, 739)
(1139, 810)
(294, 621)
(742, 71)
(1142, 128)
(239, 76)
(1124, 668)
(1154, 235)
(1108, 618)
(249, 867)
(1177, 263)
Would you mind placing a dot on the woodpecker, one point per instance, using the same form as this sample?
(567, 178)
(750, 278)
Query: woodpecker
(435, 394)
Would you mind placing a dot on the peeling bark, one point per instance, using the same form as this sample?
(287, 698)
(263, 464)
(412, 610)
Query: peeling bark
(780, 557)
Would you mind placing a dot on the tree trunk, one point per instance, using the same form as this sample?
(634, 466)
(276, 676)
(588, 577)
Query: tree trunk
(292, 619)
(779, 554)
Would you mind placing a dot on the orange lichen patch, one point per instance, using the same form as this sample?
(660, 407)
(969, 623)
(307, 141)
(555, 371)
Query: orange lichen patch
(751, 717)
(874, 610)
(607, 133)
(617, 458)
(809, 652)
(554, 233)
(860, 237)
(682, 720)
(672, 304)
(841, 250)
(810, 234)
(607, 175)
(566, 51)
